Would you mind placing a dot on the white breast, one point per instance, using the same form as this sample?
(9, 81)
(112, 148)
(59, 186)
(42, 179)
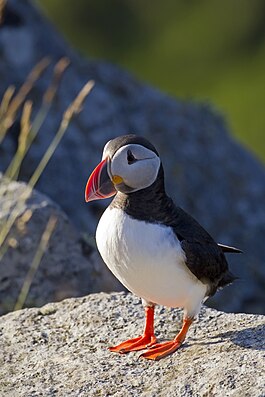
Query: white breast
(148, 260)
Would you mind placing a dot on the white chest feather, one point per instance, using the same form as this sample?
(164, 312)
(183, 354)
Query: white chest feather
(148, 260)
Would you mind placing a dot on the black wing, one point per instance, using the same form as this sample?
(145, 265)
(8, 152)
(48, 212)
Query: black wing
(205, 258)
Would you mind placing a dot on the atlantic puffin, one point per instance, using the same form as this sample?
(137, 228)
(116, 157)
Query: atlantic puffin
(154, 248)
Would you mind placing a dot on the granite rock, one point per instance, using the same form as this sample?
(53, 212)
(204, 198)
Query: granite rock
(61, 350)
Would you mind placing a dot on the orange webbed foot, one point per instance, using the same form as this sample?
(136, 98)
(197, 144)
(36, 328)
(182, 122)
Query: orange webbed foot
(161, 350)
(140, 343)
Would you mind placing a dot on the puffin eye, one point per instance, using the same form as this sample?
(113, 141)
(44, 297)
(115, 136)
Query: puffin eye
(130, 157)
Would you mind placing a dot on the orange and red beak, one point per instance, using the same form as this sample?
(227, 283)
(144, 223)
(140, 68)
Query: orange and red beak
(99, 184)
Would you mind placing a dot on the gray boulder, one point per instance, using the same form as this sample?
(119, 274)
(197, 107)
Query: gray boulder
(70, 265)
(207, 172)
(61, 350)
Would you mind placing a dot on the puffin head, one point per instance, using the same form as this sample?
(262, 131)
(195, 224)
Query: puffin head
(129, 163)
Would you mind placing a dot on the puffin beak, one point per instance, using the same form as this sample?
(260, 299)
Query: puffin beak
(99, 184)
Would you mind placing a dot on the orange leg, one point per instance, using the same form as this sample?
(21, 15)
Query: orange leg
(142, 342)
(161, 350)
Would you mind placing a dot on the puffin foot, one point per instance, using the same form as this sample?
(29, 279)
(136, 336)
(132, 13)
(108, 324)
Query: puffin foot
(161, 350)
(140, 343)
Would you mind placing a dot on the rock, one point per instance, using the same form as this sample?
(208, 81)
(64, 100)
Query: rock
(61, 349)
(70, 266)
(207, 172)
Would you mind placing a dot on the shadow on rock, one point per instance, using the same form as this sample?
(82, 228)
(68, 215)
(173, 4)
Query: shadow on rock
(250, 338)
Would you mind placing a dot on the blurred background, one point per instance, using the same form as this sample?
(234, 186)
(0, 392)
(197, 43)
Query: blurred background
(208, 50)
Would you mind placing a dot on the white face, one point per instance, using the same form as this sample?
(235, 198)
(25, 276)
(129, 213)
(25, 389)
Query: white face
(136, 165)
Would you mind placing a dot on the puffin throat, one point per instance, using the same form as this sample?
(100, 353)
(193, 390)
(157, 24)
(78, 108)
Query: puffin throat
(145, 204)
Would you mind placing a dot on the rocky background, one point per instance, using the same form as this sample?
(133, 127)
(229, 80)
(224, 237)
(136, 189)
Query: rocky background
(207, 172)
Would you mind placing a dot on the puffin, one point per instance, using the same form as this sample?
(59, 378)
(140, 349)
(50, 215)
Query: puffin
(153, 247)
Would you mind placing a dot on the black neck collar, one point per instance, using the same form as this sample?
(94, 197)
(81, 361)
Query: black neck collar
(150, 204)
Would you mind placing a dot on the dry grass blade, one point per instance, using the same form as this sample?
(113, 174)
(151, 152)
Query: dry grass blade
(6, 101)
(3, 110)
(8, 112)
(2, 6)
(13, 106)
(14, 167)
(36, 262)
(34, 75)
(25, 126)
(47, 100)
(59, 69)
(74, 108)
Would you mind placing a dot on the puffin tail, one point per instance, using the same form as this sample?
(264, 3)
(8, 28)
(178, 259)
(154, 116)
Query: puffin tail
(228, 249)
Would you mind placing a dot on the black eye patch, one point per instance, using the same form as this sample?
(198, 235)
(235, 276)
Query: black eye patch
(130, 157)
